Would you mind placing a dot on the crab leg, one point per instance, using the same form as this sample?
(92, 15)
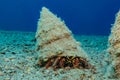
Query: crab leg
(62, 63)
(76, 63)
(56, 62)
(49, 63)
(84, 63)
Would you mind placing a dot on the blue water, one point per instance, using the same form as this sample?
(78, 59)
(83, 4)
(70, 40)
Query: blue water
(92, 17)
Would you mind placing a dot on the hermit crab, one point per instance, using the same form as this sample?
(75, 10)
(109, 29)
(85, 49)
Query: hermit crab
(57, 62)
(56, 46)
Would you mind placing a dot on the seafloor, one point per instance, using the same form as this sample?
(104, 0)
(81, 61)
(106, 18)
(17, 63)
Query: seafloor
(18, 59)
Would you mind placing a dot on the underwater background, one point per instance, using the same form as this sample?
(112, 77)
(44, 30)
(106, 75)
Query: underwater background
(89, 20)
(93, 17)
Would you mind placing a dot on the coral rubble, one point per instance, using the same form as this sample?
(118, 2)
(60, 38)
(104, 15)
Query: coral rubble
(56, 46)
(114, 45)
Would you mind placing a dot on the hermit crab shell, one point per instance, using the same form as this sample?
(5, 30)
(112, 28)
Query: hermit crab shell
(114, 45)
(54, 38)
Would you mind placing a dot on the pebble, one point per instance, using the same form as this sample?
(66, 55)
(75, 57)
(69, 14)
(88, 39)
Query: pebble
(7, 67)
(6, 59)
(12, 58)
(29, 58)
(28, 70)
(7, 78)
(1, 73)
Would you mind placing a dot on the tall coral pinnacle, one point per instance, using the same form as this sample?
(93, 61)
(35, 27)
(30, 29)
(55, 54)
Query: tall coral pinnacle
(114, 44)
(55, 45)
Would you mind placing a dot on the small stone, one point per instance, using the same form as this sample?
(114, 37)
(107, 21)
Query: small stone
(12, 58)
(56, 73)
(1, 73)
(7, 78)
(6, 67)
(29, 58)
(28, 70)
(6, 59)
(0, 68)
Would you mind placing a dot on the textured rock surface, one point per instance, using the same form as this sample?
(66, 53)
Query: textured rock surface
(114, 45)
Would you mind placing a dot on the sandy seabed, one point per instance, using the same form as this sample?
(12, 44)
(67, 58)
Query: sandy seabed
(18, 59)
